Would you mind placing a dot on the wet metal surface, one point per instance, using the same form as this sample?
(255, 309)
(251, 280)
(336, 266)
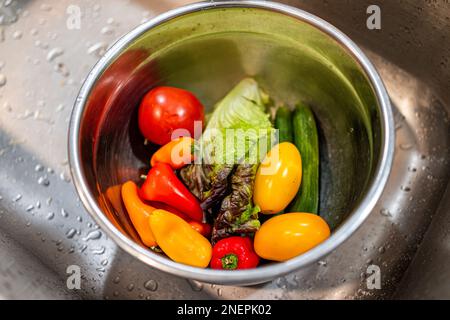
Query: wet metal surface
(44, 228)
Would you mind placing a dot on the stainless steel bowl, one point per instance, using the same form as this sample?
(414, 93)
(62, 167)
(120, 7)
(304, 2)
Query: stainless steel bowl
(207, 48)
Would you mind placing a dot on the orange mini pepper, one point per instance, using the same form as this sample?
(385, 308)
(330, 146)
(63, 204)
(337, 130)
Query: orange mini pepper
(139, 212)
(178, 240)
(176, 153)
(203, 228)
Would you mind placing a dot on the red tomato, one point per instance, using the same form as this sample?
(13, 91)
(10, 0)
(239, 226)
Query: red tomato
(165, 109)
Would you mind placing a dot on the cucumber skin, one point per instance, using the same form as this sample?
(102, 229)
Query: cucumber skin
(283, 122)
(307, 142)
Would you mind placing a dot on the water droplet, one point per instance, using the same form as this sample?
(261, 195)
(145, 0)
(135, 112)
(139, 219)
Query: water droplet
(98, 48)
(116, 280)
(405, 188)
(107, 30)
(110, 20)
(381, 250)
(34, 32)
(17, 35)
(405, 146)
(29, 208)
(28, 223)
(104, 262)
(64, 213)
(151, 285)
(71, 233)
(50, 215)
(79, 219)
(281, 283)
(385, 212)
(195, 285)
(219, 292)
(54, 53)
(130, 287)
(93, 235)
(17, 198)
(64, 177)
(83, 248)
(412, 169)
(322, 263)
(2, 80)
(62, 69)
(43, 181)
(98, 251)
(49, 201)
(39, 168)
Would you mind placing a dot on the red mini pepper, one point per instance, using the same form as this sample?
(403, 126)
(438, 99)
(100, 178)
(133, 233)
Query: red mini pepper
(234, 253)
(163, 185)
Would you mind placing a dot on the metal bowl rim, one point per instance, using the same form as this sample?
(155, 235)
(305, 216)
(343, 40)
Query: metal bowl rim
(265, 273)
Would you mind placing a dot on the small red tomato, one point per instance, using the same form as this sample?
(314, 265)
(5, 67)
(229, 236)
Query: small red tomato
(165, 109)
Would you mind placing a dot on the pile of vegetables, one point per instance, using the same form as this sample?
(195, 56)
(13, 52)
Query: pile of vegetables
(233, 194)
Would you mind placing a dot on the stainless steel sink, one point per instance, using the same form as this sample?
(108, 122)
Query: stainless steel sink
(44, 228)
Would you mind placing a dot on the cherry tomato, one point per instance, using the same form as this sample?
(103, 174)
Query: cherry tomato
(165, 109)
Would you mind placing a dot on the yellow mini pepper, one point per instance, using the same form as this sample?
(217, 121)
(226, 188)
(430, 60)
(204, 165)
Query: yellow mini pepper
(288, 235)
(178, 240)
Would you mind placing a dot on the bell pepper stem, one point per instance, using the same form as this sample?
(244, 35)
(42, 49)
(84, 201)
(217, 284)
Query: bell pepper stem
(229, 261)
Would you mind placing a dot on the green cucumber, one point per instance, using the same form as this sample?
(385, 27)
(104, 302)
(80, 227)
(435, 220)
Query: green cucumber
(307, 142)
(283, 122)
